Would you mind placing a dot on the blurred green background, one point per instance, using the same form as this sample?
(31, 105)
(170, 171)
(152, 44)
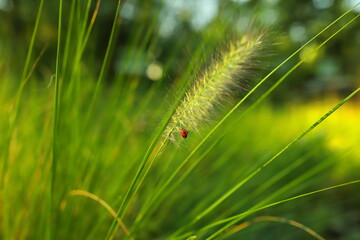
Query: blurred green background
(186, 23)
(159, 47)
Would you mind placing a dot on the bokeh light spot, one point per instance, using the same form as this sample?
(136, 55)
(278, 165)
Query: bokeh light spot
(309, 54)
(322, 4)
(154, 71)
(297, 32)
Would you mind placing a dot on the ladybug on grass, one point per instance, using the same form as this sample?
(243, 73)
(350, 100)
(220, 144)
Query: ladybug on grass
(184, 133)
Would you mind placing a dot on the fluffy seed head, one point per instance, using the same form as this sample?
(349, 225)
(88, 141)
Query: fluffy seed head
(217, 83)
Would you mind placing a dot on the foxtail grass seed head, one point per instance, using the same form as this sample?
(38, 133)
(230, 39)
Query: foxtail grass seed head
(218, 83)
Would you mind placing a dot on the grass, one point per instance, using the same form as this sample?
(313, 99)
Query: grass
(84, 155)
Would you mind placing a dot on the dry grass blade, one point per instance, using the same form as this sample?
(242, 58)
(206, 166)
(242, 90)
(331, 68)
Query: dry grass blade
(296, 224)
(97, 199)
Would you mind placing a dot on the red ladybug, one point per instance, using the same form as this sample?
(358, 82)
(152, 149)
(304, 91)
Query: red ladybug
(184, 133)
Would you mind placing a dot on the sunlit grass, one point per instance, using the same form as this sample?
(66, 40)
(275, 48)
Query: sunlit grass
(82, 131)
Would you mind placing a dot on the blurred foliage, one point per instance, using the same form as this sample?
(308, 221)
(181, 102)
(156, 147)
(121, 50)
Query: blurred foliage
(185, 23)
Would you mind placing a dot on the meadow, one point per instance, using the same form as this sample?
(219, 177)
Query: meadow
(94, 96)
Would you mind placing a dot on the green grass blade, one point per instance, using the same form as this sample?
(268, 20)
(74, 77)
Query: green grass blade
(167, 183)
(12, 124)
(237, 186)
(54, 158)
(106, 58)
(234, 219)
